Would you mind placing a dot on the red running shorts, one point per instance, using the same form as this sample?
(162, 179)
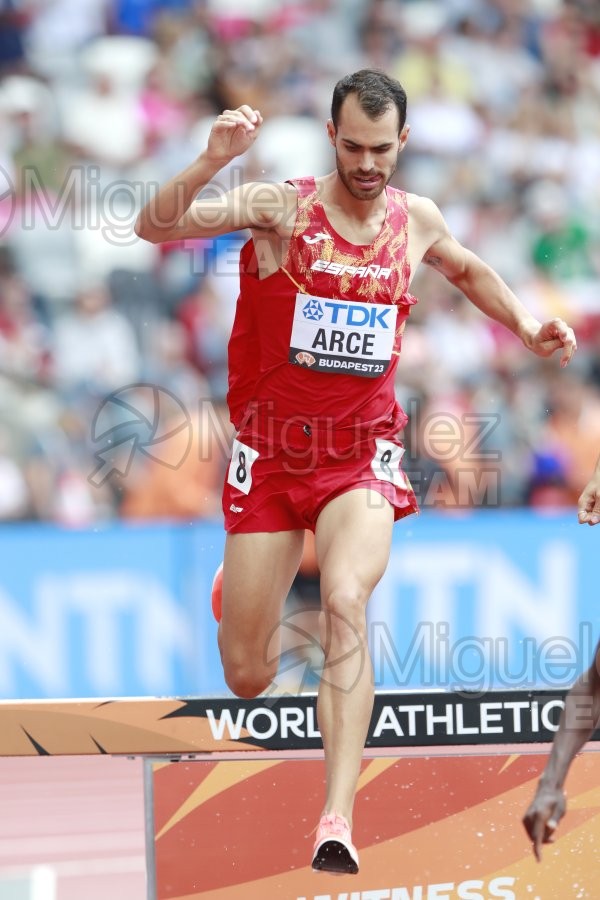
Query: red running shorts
(284, 485)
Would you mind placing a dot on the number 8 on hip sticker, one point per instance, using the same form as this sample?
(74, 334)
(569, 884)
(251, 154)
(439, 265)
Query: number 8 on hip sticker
(386, 463)
(240, 467)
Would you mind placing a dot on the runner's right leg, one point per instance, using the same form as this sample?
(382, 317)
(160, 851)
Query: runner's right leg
(258, 571)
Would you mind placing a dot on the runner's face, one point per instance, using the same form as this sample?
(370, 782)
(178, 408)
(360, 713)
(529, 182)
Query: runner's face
(366, 150)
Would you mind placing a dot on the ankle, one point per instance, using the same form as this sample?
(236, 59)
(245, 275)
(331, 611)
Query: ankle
(338, 814)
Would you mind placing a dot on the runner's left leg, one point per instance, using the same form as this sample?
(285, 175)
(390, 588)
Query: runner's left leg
(353, 540)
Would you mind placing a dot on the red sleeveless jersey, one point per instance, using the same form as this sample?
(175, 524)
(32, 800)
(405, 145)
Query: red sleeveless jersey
(320, 337)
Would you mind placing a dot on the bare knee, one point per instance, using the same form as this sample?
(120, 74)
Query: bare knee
(343, 619)
(247, 681)
(248, 667)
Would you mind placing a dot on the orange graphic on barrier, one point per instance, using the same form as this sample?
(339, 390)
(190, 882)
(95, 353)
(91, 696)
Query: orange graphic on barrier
(444, 827)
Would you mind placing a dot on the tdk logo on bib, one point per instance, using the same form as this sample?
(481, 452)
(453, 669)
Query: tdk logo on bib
(360, 314)
(343, 337)
(313, 310)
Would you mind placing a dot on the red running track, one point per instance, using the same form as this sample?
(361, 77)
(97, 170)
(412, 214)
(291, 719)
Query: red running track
(80, 820)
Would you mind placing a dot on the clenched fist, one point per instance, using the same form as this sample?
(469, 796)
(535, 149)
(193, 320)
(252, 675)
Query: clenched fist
(233, 132)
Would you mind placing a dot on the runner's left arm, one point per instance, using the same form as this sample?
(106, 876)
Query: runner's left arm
(486, 289)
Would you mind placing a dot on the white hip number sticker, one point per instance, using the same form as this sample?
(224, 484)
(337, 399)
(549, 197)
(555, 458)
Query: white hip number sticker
(386, 463)
(239, 474)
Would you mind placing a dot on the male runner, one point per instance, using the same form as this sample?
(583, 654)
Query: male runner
(324, 299)
(578, 721)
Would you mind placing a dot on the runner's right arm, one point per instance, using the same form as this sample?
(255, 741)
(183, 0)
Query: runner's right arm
(174, 213)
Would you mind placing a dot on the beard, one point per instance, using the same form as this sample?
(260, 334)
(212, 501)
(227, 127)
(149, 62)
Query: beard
(348, 179)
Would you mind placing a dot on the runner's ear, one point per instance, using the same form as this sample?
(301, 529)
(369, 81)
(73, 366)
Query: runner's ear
(403, 137)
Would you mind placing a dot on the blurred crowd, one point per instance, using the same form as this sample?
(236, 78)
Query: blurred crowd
(101, 100)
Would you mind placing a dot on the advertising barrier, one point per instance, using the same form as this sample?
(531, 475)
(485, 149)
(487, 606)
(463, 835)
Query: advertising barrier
(234, 788)
(437, 814)
(176, 727)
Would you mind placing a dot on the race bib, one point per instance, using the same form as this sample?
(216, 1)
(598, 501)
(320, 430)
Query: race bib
(341, 336)
(386, 463)
(239, 474)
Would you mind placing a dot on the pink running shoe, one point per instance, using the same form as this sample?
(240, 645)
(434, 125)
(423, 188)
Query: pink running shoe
(334, 851)
(217, 594)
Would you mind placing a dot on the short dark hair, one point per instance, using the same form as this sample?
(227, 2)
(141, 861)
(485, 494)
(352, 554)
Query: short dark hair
(376, 92)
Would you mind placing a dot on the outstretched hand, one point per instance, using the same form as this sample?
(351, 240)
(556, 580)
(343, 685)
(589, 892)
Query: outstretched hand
(233, 132)
(554, 335)
(541, 819)
(588, 505)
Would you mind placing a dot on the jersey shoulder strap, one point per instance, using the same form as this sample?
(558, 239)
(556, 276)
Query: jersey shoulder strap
(305, 186)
